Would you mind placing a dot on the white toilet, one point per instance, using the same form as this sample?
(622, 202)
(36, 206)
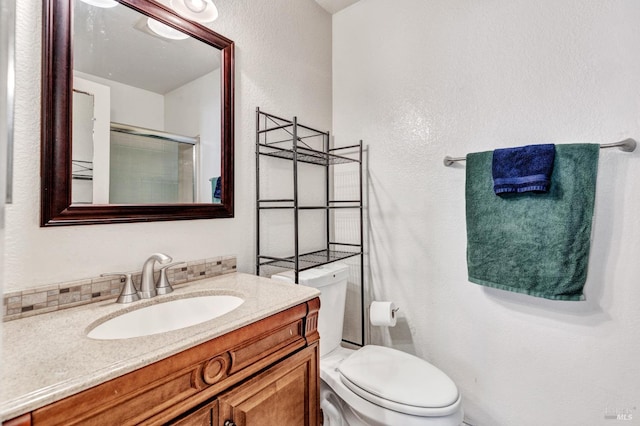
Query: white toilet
(374, 385)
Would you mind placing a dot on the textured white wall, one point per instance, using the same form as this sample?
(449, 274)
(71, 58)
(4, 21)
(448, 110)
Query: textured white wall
(283, 64)
(419, 80)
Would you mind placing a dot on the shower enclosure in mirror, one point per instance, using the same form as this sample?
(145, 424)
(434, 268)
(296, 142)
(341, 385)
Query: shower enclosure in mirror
(139, 127)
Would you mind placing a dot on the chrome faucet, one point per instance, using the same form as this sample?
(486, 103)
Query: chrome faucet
(147, 281)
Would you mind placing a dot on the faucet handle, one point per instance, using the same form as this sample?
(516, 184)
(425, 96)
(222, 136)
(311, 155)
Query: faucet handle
(129, 292)
(164, 287)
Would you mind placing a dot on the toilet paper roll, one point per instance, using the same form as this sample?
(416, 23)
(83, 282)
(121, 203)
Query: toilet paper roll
(383, 314)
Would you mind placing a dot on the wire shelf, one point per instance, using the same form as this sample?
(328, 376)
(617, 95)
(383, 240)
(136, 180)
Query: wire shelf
(305, 155)
(310, 260)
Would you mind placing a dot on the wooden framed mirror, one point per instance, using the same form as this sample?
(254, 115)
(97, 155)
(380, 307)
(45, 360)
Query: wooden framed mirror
(193, 193)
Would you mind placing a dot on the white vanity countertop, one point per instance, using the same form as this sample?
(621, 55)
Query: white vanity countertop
(48, 357)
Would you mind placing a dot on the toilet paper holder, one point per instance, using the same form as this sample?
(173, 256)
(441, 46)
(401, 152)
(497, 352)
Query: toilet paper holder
(383, 314)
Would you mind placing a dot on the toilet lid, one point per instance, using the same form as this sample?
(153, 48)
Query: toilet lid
(397, 380)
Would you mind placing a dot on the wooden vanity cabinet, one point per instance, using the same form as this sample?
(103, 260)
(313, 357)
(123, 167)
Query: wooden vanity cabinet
(263, 374)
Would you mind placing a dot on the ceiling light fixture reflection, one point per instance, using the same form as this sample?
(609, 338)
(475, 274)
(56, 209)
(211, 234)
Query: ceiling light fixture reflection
(101, 3)
(196, 6)
(164, 30)
(202, 11)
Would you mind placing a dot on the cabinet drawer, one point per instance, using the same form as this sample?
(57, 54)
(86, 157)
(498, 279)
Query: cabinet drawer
(291, 334)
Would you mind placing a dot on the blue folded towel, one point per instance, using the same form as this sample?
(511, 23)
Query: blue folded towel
(217, 192)
(523, 169)
(216, 189)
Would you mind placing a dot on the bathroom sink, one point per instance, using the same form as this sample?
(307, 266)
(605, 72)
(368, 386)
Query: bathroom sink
(166, 316)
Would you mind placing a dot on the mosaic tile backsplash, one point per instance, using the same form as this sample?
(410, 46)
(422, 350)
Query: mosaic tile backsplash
(50, 298)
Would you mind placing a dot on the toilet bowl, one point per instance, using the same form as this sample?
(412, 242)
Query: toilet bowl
(373, 385)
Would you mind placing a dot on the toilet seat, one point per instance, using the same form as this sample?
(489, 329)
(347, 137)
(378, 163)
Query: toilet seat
(360, 412)
(399, 381)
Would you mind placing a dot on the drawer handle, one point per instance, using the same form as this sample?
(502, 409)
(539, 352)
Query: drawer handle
(229, 423)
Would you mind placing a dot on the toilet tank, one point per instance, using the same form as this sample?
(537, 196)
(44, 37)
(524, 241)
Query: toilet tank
(331, 280)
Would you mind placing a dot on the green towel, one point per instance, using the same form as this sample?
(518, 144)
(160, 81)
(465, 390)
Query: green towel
(537, 244)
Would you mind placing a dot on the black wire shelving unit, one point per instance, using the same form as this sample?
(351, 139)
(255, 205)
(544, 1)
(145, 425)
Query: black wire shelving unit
(289, 140)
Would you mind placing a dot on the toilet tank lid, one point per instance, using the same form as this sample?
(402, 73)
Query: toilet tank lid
(317, 277)
(398, 377)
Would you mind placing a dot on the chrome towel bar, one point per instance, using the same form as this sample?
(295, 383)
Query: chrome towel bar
(627, 145)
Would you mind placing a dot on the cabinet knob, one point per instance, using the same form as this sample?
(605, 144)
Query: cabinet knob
(229, 423)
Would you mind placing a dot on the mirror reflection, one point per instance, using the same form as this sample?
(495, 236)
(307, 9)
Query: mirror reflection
(146, 111)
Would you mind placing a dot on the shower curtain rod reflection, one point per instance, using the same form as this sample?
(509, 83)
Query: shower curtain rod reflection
(627, 145)
(156, 134)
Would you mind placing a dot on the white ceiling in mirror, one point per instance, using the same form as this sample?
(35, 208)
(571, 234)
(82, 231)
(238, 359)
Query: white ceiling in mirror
(333, 6)
(107, 43)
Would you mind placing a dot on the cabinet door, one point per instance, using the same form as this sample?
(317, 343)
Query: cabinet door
(203, 416)
(285, 394)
